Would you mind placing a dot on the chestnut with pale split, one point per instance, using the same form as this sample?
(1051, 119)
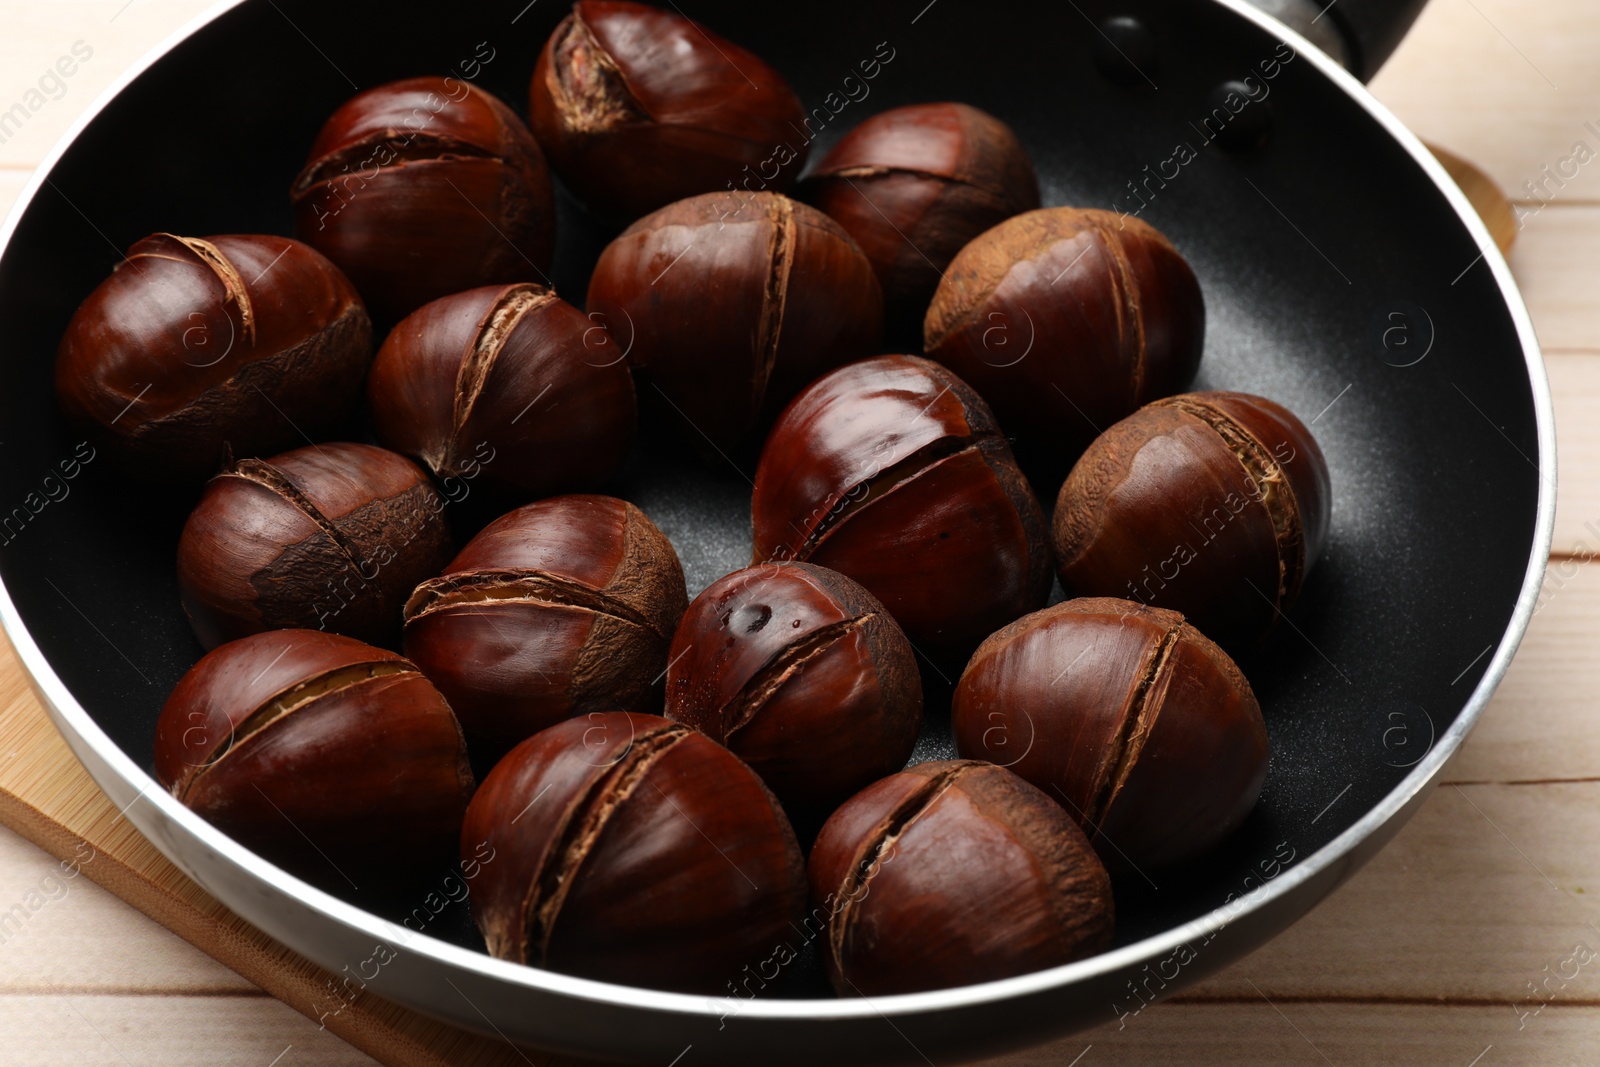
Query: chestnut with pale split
(1214, 504)
(635, 850)
(330, 757)
(559, 608)
(198, 346)
(638, 106)
(1138, 723)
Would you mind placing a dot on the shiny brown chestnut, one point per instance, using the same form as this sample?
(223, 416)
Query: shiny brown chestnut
(1066, 320)
(636, 850)
(893, 472)
(326, 537)
(561, 607)
(1215, 505)
(195, 345)
(729, 304)
(501, 384)
(803, 674)
(638, 106)
(425, 187)
(913, 185)
(334, 759)
(952, 873)
(1143, 726)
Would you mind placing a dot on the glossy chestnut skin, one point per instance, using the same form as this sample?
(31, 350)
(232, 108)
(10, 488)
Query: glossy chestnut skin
(803, 674)
(327, 537)
(1136, 720)
(632, 849)
(951, 873)
(1067, 320)
(425, 187)
(893, 472)
(1214, 504)
(913, 185)
(637, 106)
(730, 304)
(195, 345)
(332, 758)
(559, 608)
(501, 384)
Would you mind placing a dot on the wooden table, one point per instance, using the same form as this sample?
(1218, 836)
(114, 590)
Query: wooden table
(1473, 940)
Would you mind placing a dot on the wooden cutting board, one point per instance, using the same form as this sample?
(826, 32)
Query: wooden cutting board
(48, 798)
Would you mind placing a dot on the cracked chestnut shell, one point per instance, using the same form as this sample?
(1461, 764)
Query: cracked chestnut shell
(729, 305)
(803, 674)
(892, 471)
(326, 537)
(914, 184)
(195, 345)
(425, 187)
(638, 106)
(559, 608)
(1066, 320)
(636, 850)
(1143, 727)
(501, 384)
(1214, 504)
(332, 758)
(952, 873)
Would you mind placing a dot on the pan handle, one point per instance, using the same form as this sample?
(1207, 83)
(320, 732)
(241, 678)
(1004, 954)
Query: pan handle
(1360, 34)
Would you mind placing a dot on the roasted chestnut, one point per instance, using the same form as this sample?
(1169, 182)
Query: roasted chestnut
(425, 187)
(560, 607)
(333, 759)
(1066, 320)
(803, 674)
(195, 345)
(632, 849)
(1215, 505)
(501, 384)
(728, 305)
(893, 472)
(954, 873)
(914, 184)
(1136, 720)
(327, 537)
(638, 107)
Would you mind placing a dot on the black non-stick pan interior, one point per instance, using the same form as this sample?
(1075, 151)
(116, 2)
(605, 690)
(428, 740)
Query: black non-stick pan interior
(1307, 247)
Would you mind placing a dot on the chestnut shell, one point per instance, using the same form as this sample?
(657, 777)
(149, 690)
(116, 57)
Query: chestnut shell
(330, 536)
(803, 674)
(632, 849)
(1142, 726)
(893, 472)
(330, 757)
(501, 386)
(559, 608)
(913, 185)
(1215, 505)
(638, 106)
(425, 187)
(730, 304)
(952, 873)
(1068, 319)
(195, 346)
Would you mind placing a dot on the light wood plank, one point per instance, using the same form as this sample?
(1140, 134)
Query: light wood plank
(1508, 84)
(1556, 262)
(50, 1030)
(114, 33)
(1279, 1034)
(1575, 387)
(1478, 894)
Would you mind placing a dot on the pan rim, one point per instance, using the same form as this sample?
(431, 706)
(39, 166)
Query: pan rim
(87, 739)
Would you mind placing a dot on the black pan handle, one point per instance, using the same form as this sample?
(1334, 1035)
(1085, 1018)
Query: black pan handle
(1360, 34)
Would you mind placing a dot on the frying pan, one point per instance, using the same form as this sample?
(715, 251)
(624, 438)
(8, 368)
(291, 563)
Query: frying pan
(1344, 275)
